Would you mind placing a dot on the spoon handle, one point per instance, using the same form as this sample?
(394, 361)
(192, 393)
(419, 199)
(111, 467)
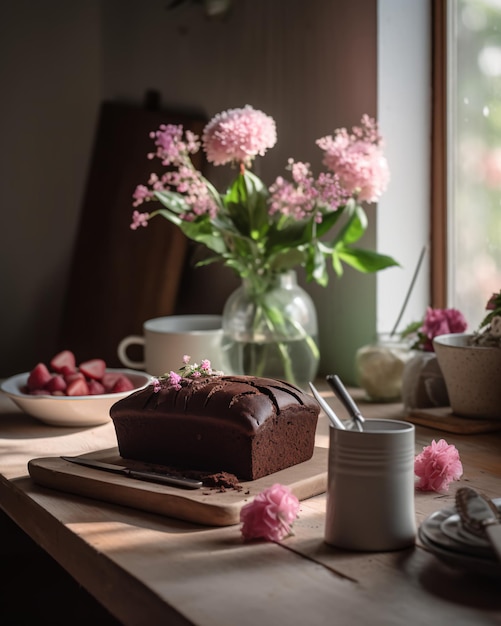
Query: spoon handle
(333, 418)
(342, 393)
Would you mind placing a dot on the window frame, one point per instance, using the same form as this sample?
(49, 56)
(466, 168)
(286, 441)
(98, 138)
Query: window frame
(439, 158)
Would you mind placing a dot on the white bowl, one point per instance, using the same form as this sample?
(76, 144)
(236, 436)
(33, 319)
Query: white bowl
(70, 410)
(472, 375)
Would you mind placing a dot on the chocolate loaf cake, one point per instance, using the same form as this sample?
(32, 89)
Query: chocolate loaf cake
(245, 425)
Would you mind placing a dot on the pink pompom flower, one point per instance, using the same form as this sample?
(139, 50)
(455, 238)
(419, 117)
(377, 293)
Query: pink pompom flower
(437, 466)
(238, 135)
(270, 515)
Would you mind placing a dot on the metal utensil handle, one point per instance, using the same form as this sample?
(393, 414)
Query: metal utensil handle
(341, 391)
(333, 418)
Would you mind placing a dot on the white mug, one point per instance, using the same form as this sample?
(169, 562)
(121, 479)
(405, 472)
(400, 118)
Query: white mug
(167, 339)
(370, 491)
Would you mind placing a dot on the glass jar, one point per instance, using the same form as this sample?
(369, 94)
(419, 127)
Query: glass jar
(379, 367)
(271, 330)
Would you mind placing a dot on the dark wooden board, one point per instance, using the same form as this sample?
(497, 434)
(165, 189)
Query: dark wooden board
(119, 277)
(442, 418)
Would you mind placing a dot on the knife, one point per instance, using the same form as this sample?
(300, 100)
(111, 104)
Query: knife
(153, 477)
(480, 516)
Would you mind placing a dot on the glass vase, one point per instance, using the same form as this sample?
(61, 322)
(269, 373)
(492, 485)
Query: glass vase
(270, 329)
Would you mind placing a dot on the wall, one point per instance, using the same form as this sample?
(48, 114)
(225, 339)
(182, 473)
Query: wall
(50, 75)
(311, 65)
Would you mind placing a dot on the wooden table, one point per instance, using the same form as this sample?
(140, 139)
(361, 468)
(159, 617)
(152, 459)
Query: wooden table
(148, 569)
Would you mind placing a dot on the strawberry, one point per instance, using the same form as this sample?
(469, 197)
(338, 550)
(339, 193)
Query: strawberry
(67, 370)
(77, 387)
(109, 379)
(95, 387)
(56, 383)
(123, 384)
(75, 376)
(64, 359)
(95, 368)
(38, 377)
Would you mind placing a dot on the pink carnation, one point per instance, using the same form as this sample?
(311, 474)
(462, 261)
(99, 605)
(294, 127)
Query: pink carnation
(270, 515)
(358, 160)
(440, 322)
(437, 466)
(238, 135)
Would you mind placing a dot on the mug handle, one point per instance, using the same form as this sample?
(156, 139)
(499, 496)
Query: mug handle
(122, 351)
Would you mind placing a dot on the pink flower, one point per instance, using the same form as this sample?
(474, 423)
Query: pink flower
(205, 365)
(139, 219)
(358, 160)
(304, 196)
(238, 135)
(270, 515)
(437, 466)
(440, 322)
(156, 385)
(174, 379)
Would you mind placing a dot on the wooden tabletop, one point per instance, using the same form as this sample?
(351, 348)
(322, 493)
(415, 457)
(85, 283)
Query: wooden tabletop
(148, 569)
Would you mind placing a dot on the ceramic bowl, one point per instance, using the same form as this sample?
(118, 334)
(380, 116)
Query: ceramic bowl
(73, 411)
(472, 376)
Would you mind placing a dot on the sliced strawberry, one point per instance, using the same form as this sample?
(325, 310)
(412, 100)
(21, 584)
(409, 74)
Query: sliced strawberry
(95, 387)
(95, 368)
(123, 384)
(58, 393)
(78, 387)
(38, 377)
(38, 392)
(67, 370)
(109, 379)
(56, 383)
(75, 376)
(66, 358)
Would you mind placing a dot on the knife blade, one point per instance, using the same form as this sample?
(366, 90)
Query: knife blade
(480, 516)
(154, 477)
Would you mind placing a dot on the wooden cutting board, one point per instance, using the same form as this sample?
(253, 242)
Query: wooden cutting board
(203, 506)
(442, 418)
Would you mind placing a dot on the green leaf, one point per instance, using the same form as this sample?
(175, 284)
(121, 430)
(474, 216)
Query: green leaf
(354, 228)
(336, 264)
(316, 268)
(365, 261)
(246, 205)
(329, 220)
(173, 201)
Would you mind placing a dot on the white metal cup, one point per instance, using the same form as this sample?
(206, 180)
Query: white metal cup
(167, 339)
(370, 493)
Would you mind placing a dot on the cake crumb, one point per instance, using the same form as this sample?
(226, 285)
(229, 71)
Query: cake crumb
(222, 481)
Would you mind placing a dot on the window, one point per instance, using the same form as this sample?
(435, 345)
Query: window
(473, 155)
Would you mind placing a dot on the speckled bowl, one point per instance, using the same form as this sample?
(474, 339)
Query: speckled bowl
(472, 375)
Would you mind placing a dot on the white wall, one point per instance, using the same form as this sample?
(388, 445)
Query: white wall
(311, 65)
(404, 97)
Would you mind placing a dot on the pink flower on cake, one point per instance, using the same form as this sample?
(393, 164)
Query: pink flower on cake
(238, 135)
(270, 515)
(437, 466)
(174, 379)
